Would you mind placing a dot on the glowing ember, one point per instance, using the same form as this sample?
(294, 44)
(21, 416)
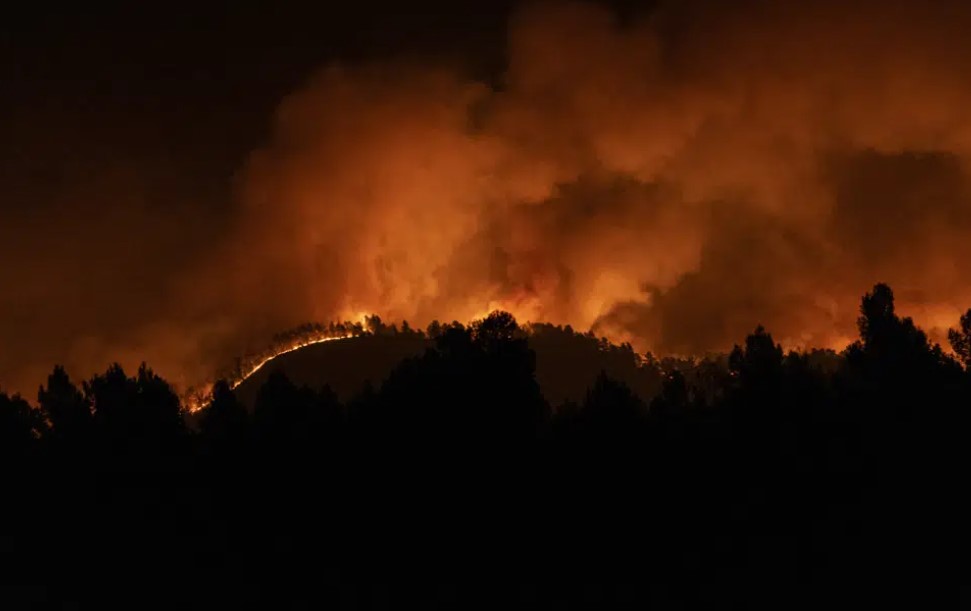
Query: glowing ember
(196, 399)
(259, 365)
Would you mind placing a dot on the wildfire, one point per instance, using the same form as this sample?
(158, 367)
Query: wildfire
(196, 399)
(297, 346)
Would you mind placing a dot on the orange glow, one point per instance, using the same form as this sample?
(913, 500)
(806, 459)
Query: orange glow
(671, 179)
(199, 398)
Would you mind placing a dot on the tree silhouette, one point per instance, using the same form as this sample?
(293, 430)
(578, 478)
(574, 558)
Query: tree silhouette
(749, 468)
(138, 416)
(434, 329)
(960, 339)
(892, 346)
(877, 319)
(157, 405)
(495, 330)
(65, 407)
(674, 396)
(285, 416)
(759, 363)
(20, 425)
(612, 401)
(224, 424)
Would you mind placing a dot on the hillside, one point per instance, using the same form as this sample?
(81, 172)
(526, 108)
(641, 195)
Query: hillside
(566, 364)
(343, 365)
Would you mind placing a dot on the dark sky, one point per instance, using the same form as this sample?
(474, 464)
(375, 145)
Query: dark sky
(178, 182)
(124, 128)
(194, 85)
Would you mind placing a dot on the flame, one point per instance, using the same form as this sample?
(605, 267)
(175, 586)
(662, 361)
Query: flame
(283, 351)
(198, 398)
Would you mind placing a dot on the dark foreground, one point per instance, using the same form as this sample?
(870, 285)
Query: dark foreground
(774, 482)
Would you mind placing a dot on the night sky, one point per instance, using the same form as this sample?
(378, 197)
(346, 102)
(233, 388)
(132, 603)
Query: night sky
(178, 182)
(102, 102)
(192, 86)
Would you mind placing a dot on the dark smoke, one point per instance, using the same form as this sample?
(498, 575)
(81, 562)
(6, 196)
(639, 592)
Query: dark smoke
(672, 178)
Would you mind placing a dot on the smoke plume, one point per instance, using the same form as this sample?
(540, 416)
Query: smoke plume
(671, 178)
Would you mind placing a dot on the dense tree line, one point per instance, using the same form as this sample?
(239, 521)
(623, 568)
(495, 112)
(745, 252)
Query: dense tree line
(763, 477)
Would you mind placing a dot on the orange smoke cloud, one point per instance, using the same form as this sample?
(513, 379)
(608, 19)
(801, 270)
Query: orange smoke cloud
(671, 179)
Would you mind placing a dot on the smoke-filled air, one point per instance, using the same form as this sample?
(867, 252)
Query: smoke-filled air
(671, 178)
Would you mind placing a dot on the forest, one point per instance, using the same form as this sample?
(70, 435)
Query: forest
(763, 478)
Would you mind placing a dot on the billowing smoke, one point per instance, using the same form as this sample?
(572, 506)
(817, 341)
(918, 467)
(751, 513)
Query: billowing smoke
(672, 179)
